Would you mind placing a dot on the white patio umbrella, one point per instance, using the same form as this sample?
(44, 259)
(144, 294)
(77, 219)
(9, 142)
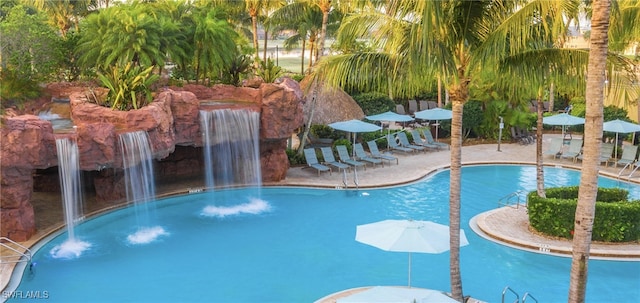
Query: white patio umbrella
(619, 126)
(436, 114)
(564, 120)
(407, 236)
(393, 294)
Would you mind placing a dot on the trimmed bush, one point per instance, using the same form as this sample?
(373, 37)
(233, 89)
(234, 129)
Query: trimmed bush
(616, 218)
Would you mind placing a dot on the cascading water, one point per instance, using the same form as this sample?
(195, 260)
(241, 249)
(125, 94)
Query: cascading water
(232, 157)
(71, 189)
(137, 161)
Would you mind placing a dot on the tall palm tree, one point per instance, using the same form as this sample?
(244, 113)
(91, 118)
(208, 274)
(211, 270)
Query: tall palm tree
(254, 7)
(419, 40)
(585, 210)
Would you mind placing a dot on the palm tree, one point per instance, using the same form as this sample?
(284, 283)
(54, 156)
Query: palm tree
(585, 210)
(420, 40)
(253, 8)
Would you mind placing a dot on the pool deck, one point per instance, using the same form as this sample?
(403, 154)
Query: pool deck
(506, 225)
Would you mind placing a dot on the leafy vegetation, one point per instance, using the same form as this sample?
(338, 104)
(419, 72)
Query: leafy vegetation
(129, 86)
(617, 219)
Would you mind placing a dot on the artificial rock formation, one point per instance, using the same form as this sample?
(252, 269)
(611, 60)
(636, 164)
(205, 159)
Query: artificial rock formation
(172, 122)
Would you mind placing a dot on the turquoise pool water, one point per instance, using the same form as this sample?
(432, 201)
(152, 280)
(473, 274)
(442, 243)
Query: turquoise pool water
(297, 245)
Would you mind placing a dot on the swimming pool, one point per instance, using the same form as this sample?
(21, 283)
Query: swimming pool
(297, 245)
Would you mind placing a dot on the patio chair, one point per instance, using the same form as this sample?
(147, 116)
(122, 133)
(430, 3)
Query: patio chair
(375, 152)
(404, 142)
(362, 155)
(343, 154)
(417, 140)
(400, 109)
(312, 161)
(429, 138)
(555, 148)
(413, 107)
(424, 105)
(629, 156)
(606, 153)
(329, 159)
(575, 147)
(393, 144)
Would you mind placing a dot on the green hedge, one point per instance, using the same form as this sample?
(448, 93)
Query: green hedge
(617, 219)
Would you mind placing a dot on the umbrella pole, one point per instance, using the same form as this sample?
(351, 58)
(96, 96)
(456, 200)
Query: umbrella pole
(409, 270)
(615, 148)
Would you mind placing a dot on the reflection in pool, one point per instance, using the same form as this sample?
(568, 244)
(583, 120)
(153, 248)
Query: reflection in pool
(297, 245)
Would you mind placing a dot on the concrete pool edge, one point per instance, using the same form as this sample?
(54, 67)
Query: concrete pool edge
(509, 226)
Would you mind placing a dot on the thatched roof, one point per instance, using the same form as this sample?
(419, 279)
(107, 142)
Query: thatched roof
(332, 105)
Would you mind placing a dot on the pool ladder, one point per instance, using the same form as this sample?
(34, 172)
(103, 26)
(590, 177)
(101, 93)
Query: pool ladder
(355, 178)
(517, 300)
(19, 256)
(512, 200)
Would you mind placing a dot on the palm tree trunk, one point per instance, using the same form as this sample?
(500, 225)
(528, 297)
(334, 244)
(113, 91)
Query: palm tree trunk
(254, 27)
(539, 164)
(304, 43)
(307, 128)
(585, 211)
(326, 7)
(552, 96)
(264, 48)
(458, 97)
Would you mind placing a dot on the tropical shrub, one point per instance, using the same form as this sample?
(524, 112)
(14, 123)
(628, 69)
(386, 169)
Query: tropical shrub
(617, 219)
(373, 103)
(295, 158)
(129, 86)
(269, 71)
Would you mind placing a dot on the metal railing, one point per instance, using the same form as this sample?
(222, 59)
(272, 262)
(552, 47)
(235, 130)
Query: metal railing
(528, 295)
(19, 256)
(512, 199)
(504, 291)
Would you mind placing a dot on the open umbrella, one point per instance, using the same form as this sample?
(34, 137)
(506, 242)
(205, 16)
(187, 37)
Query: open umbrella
(407, 236)
(618, 126)
(390, 117)
(354, 126)
(564, 120)
(436, 114)
(395, 294)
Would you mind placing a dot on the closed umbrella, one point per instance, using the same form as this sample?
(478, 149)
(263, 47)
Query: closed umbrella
(436, 114)
(407, 236)
(619, 126)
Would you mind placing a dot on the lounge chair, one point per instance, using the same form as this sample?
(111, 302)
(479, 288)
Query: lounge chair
(400, 109)
(312, 161)
(391, 142)
(343, 154)
(404, 142)
(429, 139)
(575, 147)
(606, 152)
(362, 155)
(555, 148)
(329, 159)
(417, 140)
(375, 152)
(629, 156)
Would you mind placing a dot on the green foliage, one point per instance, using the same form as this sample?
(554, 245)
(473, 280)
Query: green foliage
(617, 219)
(269, 71)
(297, 77)
(238, 70)
(129, 86)
(323, 131)
(295, 158)
(373, 103)
(31, 49)
(472, 118)
(15, 89)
